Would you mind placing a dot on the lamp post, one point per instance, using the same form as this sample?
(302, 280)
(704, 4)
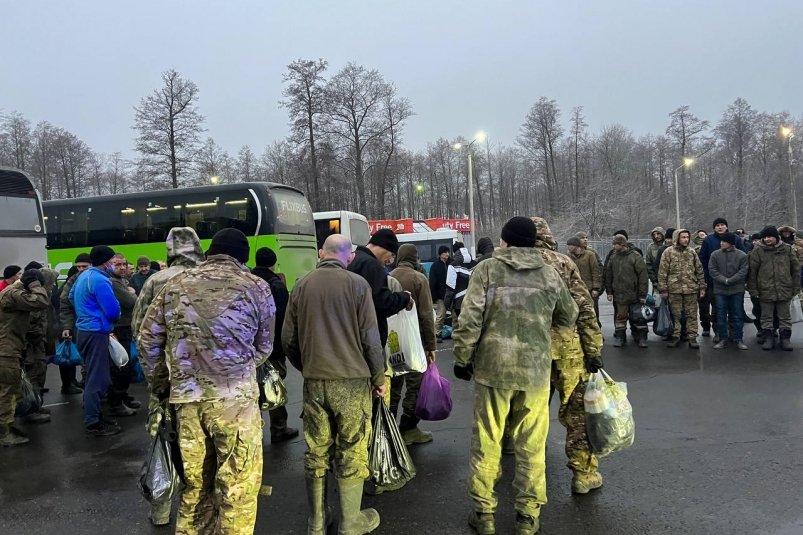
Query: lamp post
(788, 134)
(686, 162)
(480, 136)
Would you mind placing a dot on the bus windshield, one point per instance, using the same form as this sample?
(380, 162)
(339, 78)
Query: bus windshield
(293, 213)
(19, 214)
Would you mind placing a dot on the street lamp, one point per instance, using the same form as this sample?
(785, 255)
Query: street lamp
(788, 134)
(215, 180)
(686, 163)
(480, 136)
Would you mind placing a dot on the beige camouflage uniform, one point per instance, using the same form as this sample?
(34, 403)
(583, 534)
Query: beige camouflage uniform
(36, 337)
(512, 302)
(569, 346)
(681, 276)
(183, 252)
(208, 330)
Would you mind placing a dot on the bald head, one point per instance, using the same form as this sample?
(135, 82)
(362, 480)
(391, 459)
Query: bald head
(337, 247)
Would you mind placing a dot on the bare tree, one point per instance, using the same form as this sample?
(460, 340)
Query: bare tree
(168, 127)
(15, 141)
(304, 100)
(246, 165)
(209, 162)
(539, 135)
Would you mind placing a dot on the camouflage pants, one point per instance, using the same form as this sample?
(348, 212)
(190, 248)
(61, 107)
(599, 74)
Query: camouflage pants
(221, 447)
(412, 382)
(36, 370)
(10, 382)
(567, 376)
(528, 416)
(779, 309)
(681, 304)
(622, 316)
(337, 413)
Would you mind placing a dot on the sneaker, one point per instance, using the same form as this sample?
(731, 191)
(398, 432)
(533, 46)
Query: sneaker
(722, 344)
(37, 418)
(693, 344)
(707, 332)
(673, 342)
(741, 345)
(122, 410)
(71, 390)
(131, 403)
(9, 438)
(283, 435)
(583, 483)
(101, 429)
(416, 436)
(716, 339)
(482, 523)
(526, 525)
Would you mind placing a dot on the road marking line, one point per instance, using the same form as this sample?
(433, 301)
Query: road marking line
(56, 404)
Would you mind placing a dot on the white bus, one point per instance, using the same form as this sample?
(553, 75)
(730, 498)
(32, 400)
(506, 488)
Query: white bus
(428, 243)
(350, 224)
(22, 227)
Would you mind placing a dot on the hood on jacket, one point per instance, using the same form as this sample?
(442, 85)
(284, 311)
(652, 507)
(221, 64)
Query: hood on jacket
(183, 247)
(543, 236)
(659, 230)
(485, 246)
(461, 256)
(677, 234)
(51, 277)
(519, 258)
(786, 228)
(408, 254)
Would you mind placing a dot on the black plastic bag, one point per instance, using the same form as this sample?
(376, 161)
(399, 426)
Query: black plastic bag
(663, 325)
(272, 392)
(160, 477)
(388, 459)
(30, 400)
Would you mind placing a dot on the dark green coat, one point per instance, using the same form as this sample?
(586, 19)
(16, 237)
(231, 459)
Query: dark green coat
(626, 276)
(774, 273)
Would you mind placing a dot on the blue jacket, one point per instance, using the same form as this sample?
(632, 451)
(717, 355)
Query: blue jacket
(711, 244)
(92, 296)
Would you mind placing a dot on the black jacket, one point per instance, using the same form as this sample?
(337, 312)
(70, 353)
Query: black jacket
(437, 280)
(386, 303)
(280, 297)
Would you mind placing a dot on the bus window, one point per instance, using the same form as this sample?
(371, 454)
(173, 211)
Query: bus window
(20, 213)
(360, 233)
(293, 213)
(325, 228)
(73, 226)
(212, 211)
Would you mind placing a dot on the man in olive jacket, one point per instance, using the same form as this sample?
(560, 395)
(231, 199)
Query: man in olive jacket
(626, 283)
(330, 335)
(774, 279)
(415, 282)
(588, 264)
(503, 341)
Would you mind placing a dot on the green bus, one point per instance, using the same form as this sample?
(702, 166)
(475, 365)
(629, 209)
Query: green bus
(136, 224)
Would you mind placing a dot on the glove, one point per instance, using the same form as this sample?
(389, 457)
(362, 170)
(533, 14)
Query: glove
(30, 276)
(593, 364)
(464, 372)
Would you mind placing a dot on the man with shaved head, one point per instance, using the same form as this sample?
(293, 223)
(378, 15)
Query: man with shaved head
(331, 336)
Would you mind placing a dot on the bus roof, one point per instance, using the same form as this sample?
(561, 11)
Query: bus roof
(338, 214)
(167, 192)
(15, 182)
(431, 235)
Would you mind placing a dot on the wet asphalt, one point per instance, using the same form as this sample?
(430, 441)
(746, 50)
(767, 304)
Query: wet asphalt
(719, 450)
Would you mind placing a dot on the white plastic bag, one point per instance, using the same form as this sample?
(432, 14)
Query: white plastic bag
(404, 349)
(795, 310)
(118, 352)
(609, 416)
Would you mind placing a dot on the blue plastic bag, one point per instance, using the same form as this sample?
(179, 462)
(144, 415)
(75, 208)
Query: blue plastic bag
(67, 354)
(138, 374)
(446, 332)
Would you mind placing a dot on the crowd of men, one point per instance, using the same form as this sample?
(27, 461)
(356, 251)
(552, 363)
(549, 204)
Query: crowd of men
(524, 318)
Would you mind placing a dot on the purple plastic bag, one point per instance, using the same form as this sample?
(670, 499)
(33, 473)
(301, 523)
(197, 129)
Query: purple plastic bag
(434, 396)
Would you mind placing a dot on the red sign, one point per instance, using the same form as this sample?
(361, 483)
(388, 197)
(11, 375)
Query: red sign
(460, 225)
(399, 226)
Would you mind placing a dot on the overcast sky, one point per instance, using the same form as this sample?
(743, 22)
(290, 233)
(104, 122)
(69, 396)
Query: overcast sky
(465, 66)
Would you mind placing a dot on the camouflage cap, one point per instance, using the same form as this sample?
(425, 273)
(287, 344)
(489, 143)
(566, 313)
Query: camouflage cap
(183, 246)
(544, 238)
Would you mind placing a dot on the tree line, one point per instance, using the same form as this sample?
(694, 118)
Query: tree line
(345, 150)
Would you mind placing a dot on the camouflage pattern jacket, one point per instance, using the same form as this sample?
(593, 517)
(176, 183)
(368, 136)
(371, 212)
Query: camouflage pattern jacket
(564, 340)
(208, 330)
(183, 252)
(774, 273)
(681, 271)
(36, 337)
(513, 300)
(16, 306)
(626, 276)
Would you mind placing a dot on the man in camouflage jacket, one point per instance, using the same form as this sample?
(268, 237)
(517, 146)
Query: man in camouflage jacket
(576, 352)
(681, 280)
(208, 330)
(503, 341)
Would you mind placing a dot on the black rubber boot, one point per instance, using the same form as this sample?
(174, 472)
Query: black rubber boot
(786, 342)
(619, 338)
(769, 340)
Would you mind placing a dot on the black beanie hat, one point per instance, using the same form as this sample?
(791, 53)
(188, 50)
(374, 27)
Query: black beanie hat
(755, 236)
(100, 254)
(770, 231)
(386, 239)
(729, 237)
(519, 232)
(574, 241)
(670, 233)
(83, 257)
(265, 257)
(10, 271)
(232, 242)
(33, 264)
(720, 221)
(623, 233)
(443, 249)
(456, 246)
